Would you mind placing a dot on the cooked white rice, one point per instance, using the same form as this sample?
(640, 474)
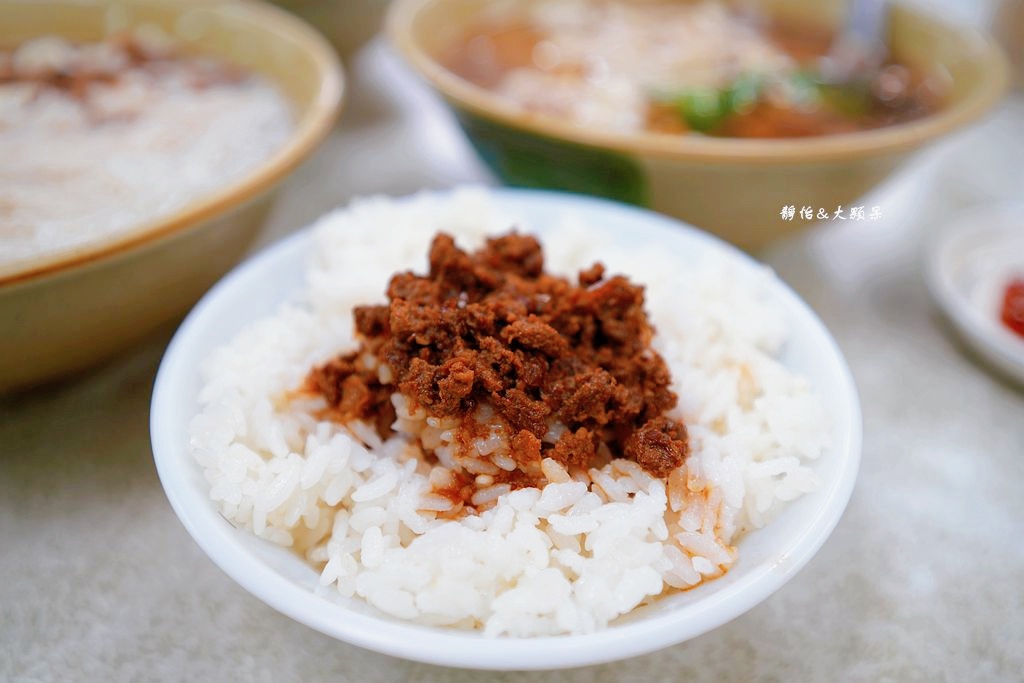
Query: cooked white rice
(566, 559)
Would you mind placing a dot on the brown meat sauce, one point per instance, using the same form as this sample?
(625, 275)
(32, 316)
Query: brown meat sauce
(492, 328)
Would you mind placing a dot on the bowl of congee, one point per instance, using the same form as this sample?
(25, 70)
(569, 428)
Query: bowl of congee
(723, 114)
(141, 145)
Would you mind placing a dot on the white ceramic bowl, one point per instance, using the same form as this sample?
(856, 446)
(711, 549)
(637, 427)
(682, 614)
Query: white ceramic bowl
(968, 264)
(768, 558)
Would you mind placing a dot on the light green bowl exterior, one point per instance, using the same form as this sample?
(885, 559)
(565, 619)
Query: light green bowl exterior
(69, 321)
(742, 203)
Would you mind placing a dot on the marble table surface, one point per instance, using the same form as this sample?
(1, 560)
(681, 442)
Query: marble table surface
(923, 580)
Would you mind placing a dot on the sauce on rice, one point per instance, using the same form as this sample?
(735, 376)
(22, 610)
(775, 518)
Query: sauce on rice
(528, 365)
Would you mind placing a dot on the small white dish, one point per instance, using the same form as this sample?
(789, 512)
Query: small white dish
(969, 264)
(768, 557)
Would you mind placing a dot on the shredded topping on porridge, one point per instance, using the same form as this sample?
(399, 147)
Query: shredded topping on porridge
(74, 69)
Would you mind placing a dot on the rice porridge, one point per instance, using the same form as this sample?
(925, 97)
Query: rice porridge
(97, 138)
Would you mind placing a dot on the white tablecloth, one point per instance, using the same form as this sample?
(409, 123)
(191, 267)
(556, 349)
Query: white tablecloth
(922, 580)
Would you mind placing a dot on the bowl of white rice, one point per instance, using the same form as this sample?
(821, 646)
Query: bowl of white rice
(325, 522)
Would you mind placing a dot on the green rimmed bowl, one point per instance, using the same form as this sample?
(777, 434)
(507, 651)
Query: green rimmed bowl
(732, 187)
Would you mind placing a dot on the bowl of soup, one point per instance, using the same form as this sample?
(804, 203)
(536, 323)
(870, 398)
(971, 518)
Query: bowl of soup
(141, 147)
(737, 117)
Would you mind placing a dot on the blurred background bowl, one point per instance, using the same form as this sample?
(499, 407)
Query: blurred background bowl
(348, 24)
(68, 310)
(732, 187)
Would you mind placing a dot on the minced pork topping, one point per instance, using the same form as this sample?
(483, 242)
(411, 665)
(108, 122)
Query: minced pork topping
(554, 369)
